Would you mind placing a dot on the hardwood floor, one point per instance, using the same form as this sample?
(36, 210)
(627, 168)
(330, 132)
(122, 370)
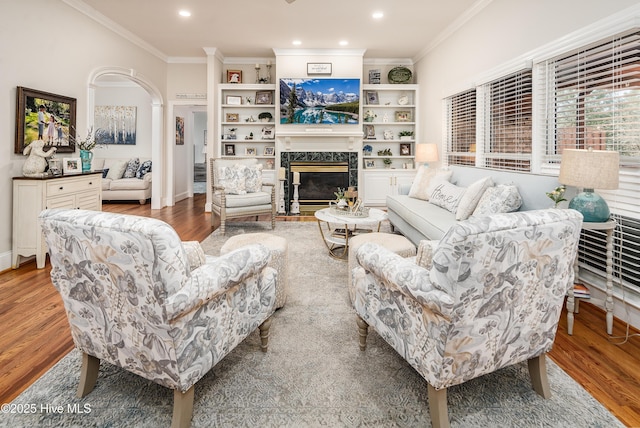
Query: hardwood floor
(35, 333)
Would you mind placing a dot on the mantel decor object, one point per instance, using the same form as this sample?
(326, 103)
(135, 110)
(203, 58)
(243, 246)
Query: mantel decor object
(590, 169)
(400, 75)
(319, 68)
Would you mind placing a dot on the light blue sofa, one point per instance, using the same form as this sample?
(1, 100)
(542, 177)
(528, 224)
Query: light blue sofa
(417, 219)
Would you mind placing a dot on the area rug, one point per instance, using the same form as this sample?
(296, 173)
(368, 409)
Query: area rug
(313, 374)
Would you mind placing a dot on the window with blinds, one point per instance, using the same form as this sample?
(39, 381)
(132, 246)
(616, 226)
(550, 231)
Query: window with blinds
(510, 110)
(592, 99)
(461, 128)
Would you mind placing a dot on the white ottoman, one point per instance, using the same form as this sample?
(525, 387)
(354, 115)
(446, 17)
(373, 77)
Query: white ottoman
(396, 243)
(278, 248)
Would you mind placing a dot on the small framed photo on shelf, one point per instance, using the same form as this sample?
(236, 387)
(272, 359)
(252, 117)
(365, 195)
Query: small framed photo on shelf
(405, 149)
(403, 116)
(234, 76)
(234, 100)
(369, 163)
(264, 97)
(71, 165)
(250, 151)
(369, 132)
(229, 149)
(269, 151)
(372, 97)
(232, 117)
(267, 133)
(270, 164)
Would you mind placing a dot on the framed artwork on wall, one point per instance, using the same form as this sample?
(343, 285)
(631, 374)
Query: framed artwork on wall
(115, 124)
(45, 116)
(234, 76)
(405, 149)
(229, 149)
(179, 131)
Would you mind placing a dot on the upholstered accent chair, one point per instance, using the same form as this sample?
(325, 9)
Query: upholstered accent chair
(139, 298)
(238, 191)
(487, 295)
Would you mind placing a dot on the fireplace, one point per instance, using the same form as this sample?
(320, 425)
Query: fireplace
(321, 173)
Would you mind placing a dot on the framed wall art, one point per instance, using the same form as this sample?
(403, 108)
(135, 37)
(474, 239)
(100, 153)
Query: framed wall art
(229, 149)
(234, 76)
(405, 149)
(179, 131)
(115, 124)
(319, 68)
(264, 97)
(232, 117)
(234, 100)
(44, 116)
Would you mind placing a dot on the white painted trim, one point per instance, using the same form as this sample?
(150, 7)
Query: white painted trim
(5, 261)
(319, 52)
(157, 130)
(90, 12)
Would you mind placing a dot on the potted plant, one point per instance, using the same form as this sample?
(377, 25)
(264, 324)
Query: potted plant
(265, 116)
(406, 135)
(385, 152)
(367, 149)
(387, 162)
(369, 116)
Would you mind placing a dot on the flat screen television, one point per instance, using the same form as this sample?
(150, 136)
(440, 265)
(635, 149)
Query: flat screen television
(319, 101)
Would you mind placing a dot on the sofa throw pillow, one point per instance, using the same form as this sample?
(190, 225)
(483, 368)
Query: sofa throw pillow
(444, 194)
(132, 168)
(116, 171)
(420, 185)
(424, 256)
(503, 198)
(254, 178)
(145, 167)
(233, 179)
(471, 197)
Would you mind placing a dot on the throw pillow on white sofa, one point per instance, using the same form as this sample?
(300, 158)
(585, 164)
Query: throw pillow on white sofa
(471, 197)
(420, 186)
(116, 171)
(445, 194)
(503, 198)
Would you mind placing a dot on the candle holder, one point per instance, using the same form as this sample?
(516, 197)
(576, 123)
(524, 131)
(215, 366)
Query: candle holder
(281, 206)
(268, 72)
(257, 73)
(295, 205)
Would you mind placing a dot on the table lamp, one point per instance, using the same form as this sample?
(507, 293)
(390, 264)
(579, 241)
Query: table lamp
(590, 169)
(426, 153)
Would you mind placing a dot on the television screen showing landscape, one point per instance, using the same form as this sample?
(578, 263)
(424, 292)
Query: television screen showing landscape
(319, 101)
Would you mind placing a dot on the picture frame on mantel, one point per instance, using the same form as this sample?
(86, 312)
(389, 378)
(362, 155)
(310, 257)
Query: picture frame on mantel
(319, 68)
(46, 116)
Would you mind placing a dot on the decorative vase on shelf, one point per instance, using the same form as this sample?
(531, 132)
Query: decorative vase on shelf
(86, 156)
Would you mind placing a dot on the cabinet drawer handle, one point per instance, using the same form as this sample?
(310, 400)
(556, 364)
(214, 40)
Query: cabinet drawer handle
(91, 183)
(61, 188)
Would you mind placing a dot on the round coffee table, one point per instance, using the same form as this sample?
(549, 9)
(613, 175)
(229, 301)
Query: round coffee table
(340, 228)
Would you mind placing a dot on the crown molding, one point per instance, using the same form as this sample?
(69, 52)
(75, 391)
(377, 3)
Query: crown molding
(90, 12)
(319, 52)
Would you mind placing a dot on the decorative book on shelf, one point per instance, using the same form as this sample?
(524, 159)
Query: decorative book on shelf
(579, 290)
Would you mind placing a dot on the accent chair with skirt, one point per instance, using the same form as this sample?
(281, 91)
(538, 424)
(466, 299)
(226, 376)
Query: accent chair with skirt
(487, 295)
(139, 298)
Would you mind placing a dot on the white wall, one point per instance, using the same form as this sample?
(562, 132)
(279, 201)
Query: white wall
(130, 95)
(49, 46)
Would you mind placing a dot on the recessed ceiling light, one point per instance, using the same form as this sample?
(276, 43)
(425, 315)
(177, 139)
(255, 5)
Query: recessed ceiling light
(297, 42)
(343, 43)
(377, 15)
(184, 13)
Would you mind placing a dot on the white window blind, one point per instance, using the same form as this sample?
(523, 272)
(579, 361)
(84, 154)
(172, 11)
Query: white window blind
(509, 106)
(591, 98)
(461, 128)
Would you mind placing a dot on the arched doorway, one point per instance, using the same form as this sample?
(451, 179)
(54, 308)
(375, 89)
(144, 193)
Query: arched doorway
(157, 146)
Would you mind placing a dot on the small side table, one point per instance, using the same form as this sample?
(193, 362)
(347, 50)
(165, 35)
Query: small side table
(607, 303)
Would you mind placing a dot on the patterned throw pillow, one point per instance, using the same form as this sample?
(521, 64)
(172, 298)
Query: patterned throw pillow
(233, 179)
(445, 194)
(503, 198)
(132, 168)
(424, 256)
(420, 186)
(105, 172)
(254, 178)
(145, 167)
(471, 197)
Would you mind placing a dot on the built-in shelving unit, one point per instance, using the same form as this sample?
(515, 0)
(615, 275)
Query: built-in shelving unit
(241, 130)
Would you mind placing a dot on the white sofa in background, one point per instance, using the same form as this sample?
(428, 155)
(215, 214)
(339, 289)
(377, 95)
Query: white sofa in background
(418, 219)
(137, 188)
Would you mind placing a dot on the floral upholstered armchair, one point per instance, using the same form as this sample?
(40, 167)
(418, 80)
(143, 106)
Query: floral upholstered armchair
(487, 295)
(139, 298)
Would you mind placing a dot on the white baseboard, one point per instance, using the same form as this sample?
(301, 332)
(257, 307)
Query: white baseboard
(5, 261)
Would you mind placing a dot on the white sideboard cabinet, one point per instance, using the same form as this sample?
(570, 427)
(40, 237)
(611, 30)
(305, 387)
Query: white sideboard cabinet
(32, 195)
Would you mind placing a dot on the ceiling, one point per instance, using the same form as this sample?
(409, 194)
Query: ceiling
(253, 28)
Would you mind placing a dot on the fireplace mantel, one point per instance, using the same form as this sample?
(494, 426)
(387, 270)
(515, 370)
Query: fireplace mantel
(319, 139)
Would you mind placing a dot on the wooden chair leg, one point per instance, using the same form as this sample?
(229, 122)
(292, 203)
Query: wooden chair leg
(438, 407)
(538, 373)
(363, 331)
(182, 408)
(88, 374)
(264, 334)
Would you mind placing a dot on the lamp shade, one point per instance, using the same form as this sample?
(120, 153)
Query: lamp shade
(426, 153)
(589, 169)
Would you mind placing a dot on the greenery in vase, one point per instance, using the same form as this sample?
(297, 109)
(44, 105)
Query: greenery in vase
(385, 152)
(87, 143)
(405, 133)
(557, 195)
(386, 161)
(340, 194)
